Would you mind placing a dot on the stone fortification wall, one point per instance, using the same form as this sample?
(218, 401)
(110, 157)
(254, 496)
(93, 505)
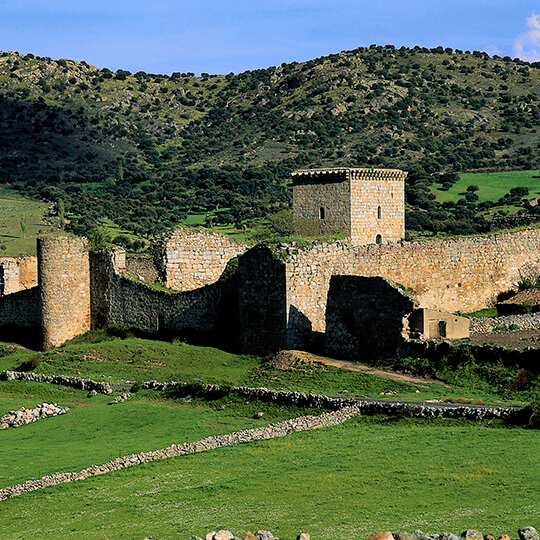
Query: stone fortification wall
(377, 205)
(187, 260)
(366, 318)
(21, 309)
(209, 312)
(9, 277)
(28, 272)
(64, 278)
(463, 274)
(17, 274)
(143, 268)
(262, 298)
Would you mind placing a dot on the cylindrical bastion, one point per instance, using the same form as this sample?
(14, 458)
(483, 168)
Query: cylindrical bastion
(64, 283)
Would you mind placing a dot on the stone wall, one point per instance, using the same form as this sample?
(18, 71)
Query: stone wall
(262, 298)
(9, 277)
(366, 318)
(142, 268)
(26, 416)
(489, 324)
(187, 259)
(270, 431)
(17, 274)
(464, 274)
(210, 312)
(64, 278)
(21, 309)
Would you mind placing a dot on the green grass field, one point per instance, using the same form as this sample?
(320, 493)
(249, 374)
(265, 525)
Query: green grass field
(492, 186)
(94, 432)
(342, 482)
(15, 209)
(136, 359)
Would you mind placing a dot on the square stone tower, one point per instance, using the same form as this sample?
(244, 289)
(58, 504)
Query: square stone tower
(367, 204)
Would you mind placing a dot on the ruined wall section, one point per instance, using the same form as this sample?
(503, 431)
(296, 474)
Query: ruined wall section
(17, 274)
(142, 268)
(21, 309)
(64, 283)
(377, 205)
(188, 260)
(464, 274)
(210, 312)
(9, 277)
(262, 301)
(366, 318)
(322, 201)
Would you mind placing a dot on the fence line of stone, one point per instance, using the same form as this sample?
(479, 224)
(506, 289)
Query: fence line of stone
(365, 406)
(63, 380)
(270, 431)
(528, 321)
(302, 399)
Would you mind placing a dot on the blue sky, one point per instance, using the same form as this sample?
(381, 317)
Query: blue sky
(220, 36)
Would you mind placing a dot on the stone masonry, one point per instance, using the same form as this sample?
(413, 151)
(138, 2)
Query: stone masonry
(366, 204)
(17, 274)
(64, 277)
(188, 260)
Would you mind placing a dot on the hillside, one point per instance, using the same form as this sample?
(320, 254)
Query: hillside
(147, 150)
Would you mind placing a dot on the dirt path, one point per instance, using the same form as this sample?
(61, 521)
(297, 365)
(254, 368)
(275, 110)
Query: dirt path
(292, 358)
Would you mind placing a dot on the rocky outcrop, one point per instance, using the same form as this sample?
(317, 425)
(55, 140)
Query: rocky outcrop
(26, 416)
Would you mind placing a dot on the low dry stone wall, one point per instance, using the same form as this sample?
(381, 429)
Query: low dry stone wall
(63, 380)
(364, 406)
(27, 416)
(301, 399)
(528, 321)
(209, 443)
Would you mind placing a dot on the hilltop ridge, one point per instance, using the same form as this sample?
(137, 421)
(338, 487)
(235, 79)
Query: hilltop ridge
(145, 150)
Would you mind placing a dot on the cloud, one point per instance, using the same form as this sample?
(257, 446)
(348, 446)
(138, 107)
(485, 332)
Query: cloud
(493, 50)
(525, 44)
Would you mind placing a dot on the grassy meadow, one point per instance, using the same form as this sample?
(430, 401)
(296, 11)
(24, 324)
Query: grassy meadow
(136, 359)
(369, 474)
(342, 482)
(492, 186)
(23, 220)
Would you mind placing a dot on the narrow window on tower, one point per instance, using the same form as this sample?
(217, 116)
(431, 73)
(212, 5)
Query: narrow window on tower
(379, 211)
(378, 239)
(321, 213)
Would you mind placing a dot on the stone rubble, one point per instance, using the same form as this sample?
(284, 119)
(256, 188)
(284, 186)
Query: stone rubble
(525, 533)
(26, 416)
(121, 398)
(479, 325)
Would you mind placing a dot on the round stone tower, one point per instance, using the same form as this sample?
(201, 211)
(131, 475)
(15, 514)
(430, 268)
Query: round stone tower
(64, 283)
